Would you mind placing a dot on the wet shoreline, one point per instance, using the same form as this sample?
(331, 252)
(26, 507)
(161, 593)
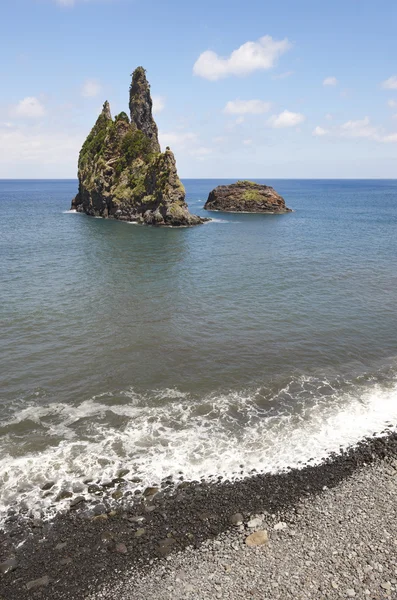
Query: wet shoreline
(80, 551)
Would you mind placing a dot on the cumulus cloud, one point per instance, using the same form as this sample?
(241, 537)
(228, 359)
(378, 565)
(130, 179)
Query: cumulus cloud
(250, 57)
(330, 81)
(358, 129)
(158, 104)
(247, 107)
(247, 142)
(91, 88)
(318, 131)
(286, 119)
(392, 103)
(23, 146)
(30, 107)
(390, 84)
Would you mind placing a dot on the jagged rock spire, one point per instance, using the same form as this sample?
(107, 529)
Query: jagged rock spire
(106, 110)
(141, 108)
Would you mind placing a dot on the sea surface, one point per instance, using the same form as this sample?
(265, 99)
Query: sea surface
(253, 342)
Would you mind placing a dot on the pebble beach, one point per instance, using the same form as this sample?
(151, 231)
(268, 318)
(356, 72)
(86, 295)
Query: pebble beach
(320, 532)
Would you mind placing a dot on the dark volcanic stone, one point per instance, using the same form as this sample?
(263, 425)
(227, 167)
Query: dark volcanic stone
(246, 196)
(193, 515)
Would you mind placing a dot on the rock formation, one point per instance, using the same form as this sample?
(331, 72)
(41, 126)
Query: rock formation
(246, 196)
(122, 172)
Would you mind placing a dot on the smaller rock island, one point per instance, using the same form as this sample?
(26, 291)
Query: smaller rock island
(246, 196)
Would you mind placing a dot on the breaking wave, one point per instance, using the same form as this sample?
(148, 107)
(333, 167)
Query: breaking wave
(168, 432)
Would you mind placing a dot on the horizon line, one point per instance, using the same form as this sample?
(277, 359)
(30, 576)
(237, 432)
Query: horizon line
(221, 178)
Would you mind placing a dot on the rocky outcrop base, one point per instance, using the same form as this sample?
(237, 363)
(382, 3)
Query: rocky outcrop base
(246, 196)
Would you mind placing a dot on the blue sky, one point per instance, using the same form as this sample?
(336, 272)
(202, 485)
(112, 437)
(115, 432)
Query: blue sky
(294, 88)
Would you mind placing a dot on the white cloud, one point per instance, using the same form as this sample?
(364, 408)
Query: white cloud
(318, 131)
(29, 107)
(283, 75)
(361, 128)
(392, 103)
(358, 129)
(22, 146)
(218, 140)
(247, 142)
(91, 88)
(329, 117)
(390, 84)
(390, 138)
(249, 57)
(286, 119)
(158, 104)
(247, 107)
(330, 81)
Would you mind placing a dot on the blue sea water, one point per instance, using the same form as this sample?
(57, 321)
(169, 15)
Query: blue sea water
(261, 340)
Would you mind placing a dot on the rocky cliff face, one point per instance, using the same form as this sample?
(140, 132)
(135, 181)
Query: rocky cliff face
(122, 172)
(246, 196)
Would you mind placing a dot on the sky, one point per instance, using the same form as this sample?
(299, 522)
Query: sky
(253, 89)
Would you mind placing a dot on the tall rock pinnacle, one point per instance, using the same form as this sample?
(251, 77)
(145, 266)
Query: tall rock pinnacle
(122, 172)
(141, 108)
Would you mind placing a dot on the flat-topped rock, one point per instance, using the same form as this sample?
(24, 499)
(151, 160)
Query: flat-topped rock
(246, 196)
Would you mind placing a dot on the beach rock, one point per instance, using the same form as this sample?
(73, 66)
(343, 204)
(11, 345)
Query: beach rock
(137, 519)
(76, 501)
(117, 495)
(122, 172)
(140, 532)
(246, 196)
(99, 509)
(121, 548)
(258, 538)
(122, 473)
(280, 526)
(47, 486)
(78, 487)
(37, 583)
(62, 495)
(254, 523)
(8, 565)
(151, 491)
(165, 546)
(237, 519)
(61, 546)
(93, 488)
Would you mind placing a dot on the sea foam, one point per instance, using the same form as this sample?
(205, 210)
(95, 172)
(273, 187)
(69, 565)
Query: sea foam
(167, 432)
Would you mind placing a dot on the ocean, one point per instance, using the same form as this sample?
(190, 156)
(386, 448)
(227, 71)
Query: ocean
(253, 343)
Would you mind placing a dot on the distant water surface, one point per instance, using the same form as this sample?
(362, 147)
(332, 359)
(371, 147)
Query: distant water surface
(255, 340)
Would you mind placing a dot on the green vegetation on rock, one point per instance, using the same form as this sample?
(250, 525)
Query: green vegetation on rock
(123, 173)
(252, 196)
